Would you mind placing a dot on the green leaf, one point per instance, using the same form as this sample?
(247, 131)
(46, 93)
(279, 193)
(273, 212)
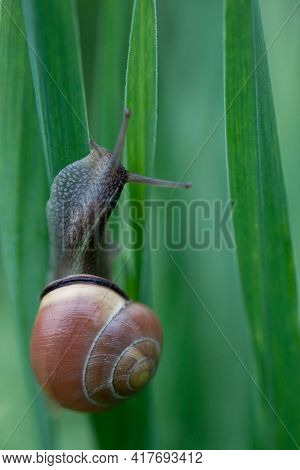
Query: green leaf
(141, 99)
(261, 223)
(53, 46)
(88, 15)
(110, 67)
(23, 197)
(118, 428)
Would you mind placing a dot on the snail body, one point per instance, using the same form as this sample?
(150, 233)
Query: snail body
(91, 346)
(82, 197)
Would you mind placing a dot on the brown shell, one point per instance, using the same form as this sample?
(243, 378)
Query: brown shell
(91, 348)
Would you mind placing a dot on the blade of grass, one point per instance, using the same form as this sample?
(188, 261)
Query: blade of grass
(23, 194)
(261, 222)
(118, 428)
(107, 87)
(141, 98)
(53, 44)
(88, 14)
(106, 114)
(110, 66)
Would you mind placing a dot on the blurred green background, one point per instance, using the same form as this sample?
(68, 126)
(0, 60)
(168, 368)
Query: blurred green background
(202, 397)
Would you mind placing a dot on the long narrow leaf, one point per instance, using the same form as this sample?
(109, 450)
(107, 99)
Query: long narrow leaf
(110, 66)
(23, 196)
(53, 46)
(55, 61)
(118, 429)
(261, 223)
(107, 90)
(141, 99)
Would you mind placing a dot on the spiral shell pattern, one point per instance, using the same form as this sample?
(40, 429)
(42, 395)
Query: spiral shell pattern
(91, 348)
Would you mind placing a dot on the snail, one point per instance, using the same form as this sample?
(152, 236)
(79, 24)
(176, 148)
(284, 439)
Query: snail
(91, 346)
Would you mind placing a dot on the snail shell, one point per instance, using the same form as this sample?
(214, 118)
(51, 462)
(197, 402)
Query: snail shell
(91, 347)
